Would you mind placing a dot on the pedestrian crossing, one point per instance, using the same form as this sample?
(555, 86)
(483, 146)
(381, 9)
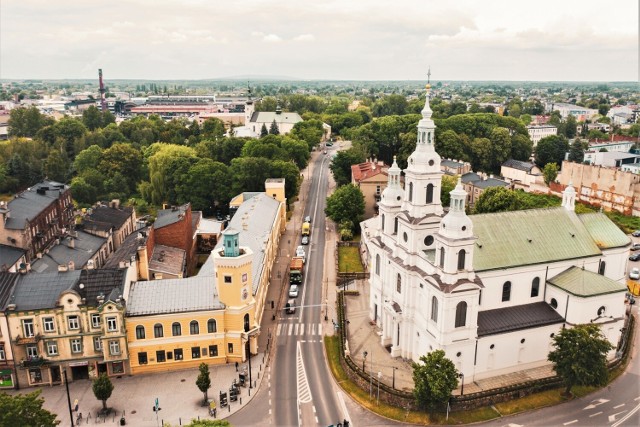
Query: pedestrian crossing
(299, 329)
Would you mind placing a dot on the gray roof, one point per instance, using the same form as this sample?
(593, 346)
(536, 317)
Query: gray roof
(85, 247)
(450, 163)
(7, 280)
(170, 216)
(470, 177)
(129, 248)
(173, 296)
(490, 182)
(269, 116)
(112, 216)
(259, 214)
(517, 318)
(166, 259)
(9, 255)
(29, 204)
(40, 291)
(518, 164)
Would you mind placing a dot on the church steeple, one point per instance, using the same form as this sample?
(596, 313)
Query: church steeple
(391, 200)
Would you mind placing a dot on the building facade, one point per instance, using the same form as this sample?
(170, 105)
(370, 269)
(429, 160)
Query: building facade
(371, 178)
(537, 132)
(489, 290)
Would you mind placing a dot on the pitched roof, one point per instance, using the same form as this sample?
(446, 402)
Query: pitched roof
(516, 318)
(38, 291)
(470, 177)
(490, 182)
(103, 282)
(7, 280)
(31, 202)
(85, 246)
(269, 116)
(584, 283)
(451, 163)
(518, 164)
(367, 170)
(129, 248)
(170, 216)
(528, 237)
(113, 216)
(603, 231)
(9, 255)
(173, 296)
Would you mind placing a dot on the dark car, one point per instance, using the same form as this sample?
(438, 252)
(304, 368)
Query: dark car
(634, 257)
(636, 233)
(635, 246)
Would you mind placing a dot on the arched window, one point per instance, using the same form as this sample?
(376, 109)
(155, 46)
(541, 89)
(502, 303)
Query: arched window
(212, 326)
(461, 258)
(176, 329)
(461, 314)
(395, 225)
(382, 224)
(194, 327)
(246, 323)
(441, 257)
(429, 193)
(602, 310)
(553, 303)
(410, 191)
(434, 309)
(506, 291)
(601, 268)
(535, 287)
(157, 330)
(378, 264)
(399, 284)
(140, 335)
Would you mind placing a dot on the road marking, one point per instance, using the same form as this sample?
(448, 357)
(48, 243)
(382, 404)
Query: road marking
(269, 393)
(290, 328)
(301, 331)
(345, 413)
(269, 411)
(279, 328)
(595, 403)
(316, 420)
(612, 417)
(626, 417)
(314, 409)
(304, 392)
(593, 415)
(570, 422)
(637, 398)
(312, 329)
(619, 406)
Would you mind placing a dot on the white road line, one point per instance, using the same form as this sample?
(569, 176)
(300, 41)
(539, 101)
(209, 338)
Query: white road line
(619, 406)
(290, 328)
(570, 422)
(279, 328)
(316, 420)
(319, 328)
(637, 398)
(593, 415)
(314, 409)
(312, 329)
(269, 393)
(269, 411)
(301, 331)
(345, 413)
(626, 417)
(304, 392)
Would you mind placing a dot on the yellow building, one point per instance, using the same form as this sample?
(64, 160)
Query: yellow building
(213, 317)
(69, 321)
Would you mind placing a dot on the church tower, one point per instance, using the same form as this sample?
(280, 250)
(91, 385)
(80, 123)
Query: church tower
(569, 197)
(423, 176)
(390, 203)
(455, 240)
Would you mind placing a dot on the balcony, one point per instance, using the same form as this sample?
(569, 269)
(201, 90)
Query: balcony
(33, 362)
(27, 340)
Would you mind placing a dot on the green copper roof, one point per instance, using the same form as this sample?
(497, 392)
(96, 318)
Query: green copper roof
(534, 236)
(585, 283)
(603, 231)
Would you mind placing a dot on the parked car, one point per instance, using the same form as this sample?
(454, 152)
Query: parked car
(634, 257)
(305, 240)
(634, 273)
(629, 297)
(636, 233)
(307, 218)
(635, 246)
(293, 291)
(301, 254)
(329, 144)
(290, 307)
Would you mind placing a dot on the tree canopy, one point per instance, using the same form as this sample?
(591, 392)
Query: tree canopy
(204, 380)
(434, 378)
(102, 389)
(25, 410)
(551, 149)
(341, 165)
(346, 204)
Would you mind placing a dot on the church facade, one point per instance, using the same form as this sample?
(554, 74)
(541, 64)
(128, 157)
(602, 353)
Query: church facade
(491, 290)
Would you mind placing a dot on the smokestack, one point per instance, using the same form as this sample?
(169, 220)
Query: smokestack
(103, 101)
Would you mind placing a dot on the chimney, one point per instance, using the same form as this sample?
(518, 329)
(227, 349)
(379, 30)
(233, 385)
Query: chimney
(72, 266)
(72, 242)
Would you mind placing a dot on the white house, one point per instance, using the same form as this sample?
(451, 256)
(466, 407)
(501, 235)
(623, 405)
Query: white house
(490, 290)
(537, 132)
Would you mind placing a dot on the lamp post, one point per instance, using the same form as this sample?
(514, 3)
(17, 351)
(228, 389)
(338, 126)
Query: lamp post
(379, 376)
(66, 384)
(393, 383)
(364, 357)
(461, 375)
(371, 377)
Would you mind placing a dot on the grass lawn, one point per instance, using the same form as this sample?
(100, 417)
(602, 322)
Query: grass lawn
(349, 259)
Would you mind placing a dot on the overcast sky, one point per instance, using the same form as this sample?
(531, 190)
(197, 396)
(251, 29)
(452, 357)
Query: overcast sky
(577, 40)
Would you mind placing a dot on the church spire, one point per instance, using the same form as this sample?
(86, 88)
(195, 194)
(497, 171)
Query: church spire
(569, 197)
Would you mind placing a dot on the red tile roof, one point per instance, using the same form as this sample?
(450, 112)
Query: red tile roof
(368, 169)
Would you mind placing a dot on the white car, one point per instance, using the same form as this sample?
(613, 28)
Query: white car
(300, 253)
(293, 291)
(634, 273)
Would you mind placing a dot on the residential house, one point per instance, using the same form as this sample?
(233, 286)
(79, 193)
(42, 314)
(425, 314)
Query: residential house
(455, 167)
(36, 217)
(68, 322)
(12, 259)
(7, 366)
(75, 251)
(174, 228)
(371, 178)
(490, 290)
(537, 132)
(474, 184)
(580, 113)
(521, 175)
(102, 220)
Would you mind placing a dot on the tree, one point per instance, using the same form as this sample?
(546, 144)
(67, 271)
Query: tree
(577, 149)
(448, 183)
(204, 381)
(102, 388)
(551, 149)
(25, 410)
(264, 131)
(550, 173)
(89, 158)
(92, 118)
(580, 356)
(496, 199)
(341, 165)
(274, 130)
(346, 204)
(434, 378)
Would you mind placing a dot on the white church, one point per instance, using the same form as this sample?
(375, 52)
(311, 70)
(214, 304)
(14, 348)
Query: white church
(490, 290)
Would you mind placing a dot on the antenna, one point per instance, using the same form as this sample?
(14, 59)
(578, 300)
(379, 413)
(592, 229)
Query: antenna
(103, 101)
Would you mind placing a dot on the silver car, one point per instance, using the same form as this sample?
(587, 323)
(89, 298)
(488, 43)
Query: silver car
(293, 291)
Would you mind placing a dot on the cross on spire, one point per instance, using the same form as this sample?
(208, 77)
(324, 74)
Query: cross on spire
(429, 75)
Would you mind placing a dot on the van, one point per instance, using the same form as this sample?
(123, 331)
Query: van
(290, 307)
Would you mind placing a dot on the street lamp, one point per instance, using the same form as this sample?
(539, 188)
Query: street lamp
(393, 384)
(364, 357)
(379, 376)
(461, 375)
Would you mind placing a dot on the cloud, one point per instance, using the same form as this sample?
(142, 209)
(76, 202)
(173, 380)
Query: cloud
(271, 38)
(304, 38)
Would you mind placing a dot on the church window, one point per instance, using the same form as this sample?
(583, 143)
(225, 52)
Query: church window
(601, 268)
(428, 241)
(382, 224)
(506, 291)
(601, 311)
(535, 287)
(411, 191)
(441, 257)
(430, 193)
(431, 162)
(461, 314)
(405, 236)
(399, 284)
(461, 259)
(434, 309)
(553, 303)
(395, 226)
(429, 137)
(377, 264)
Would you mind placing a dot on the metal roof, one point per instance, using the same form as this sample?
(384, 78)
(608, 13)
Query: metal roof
(9, 255)
(519, 317)
(490, 182)
(603, 231)
(470, 177)
(129, 247)
(584, 283)
(173, 296)
(269, 116)
(85, 247)
(113, 216)
(39, 291)
(169, 216)
(534, 236)
(166, 259)
(29, 204)
(518, 164)
(7, 280)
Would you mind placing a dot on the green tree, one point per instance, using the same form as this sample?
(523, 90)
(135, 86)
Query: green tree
(550, 173)
(500, 147)
(27, 122)
(551, 149)
(580, 356)
(341, 165)
(212, 128)
(205, 184)
(496, 199)
(434, 378)
(346, 204)
(309, 131)
(448, 183)
(56, 166)
(482, 154)
(124, 159)
(274, 130)
(450, 145)
(92, 118)
(577, 149)
(521, 147)
(25, 410)
(102, 389)
(82, 191)
(571, 127)
(204, 381)
(264, 131)
(89, 158)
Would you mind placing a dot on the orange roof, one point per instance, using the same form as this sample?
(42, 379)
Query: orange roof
(368, 169)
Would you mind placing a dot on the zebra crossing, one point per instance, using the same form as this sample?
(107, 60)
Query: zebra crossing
(299, 329)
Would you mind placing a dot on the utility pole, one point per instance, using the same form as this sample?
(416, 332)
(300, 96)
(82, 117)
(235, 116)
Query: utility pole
(66, 384)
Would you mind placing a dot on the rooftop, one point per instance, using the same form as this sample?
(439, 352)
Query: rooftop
(129, 248)
(31, 202)
(40, 291)
(584, 283)
(369, 169)
(170, 216)
(166, 259)
(9, 255)
(269, 116)
(518, 164)
(85, 246)
(516, 318)
(110, 215)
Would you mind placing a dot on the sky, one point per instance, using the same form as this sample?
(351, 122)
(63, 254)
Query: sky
(543, 40)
